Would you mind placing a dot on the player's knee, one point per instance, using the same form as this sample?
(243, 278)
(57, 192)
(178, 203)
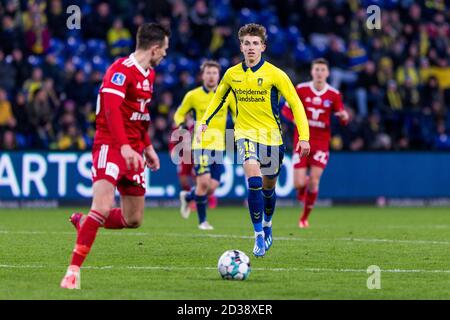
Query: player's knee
(299, 184)
(203, 186)
(134, 223)
(314, 184)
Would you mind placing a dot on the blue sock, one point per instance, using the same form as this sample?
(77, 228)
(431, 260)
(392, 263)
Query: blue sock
(255, 202)
(191, 195)
(270, 199)
(201, 207)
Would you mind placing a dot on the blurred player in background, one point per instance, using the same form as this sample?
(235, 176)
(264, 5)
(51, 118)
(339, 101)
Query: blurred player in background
(256, 86)
(209, 153)
(120, 140)
(185, 166)
(320, 101)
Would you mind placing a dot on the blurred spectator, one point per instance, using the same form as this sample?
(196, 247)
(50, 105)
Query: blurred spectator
(119, 39)
(78, 88)
(98, 23)
(22, 67)
(7, 74)
(9, 140)
(57, 19)
(34, 83)
(430, 92)
(442, 139)
(6, 115)
(40, 115)
(10, 36)
(37, 39)
(410, 95)
(393, 97)
(368, 90)
(23, 128)
(202, 21)
(71, 139)
(407, 71)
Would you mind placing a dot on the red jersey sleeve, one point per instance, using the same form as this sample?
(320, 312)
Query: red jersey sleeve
(116, 81)
(146, 139)
(114, 89)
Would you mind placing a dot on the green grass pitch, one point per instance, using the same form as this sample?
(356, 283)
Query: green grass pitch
(169, 258)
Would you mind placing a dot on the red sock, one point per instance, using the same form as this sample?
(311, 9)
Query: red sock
(115, 220)
(301, 192)
(310, 199)
(86, 237)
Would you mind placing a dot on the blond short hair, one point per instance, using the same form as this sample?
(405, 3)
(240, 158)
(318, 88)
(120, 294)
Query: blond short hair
(253, 29)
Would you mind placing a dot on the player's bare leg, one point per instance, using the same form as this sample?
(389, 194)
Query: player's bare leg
(201, 200)
(311, 194)
(102, 202)
(129, 215)
(269, 198)
(185, 182)
(255, 203)
(133, 210)
(300, 183)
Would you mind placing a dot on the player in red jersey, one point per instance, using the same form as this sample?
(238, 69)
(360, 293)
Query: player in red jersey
(120, 140)
(320, 101)
(186, 166)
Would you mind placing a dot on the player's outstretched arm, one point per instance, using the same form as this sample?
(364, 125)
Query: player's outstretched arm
(217, 102)
(343, 117)
(180, 115)
(301, 121)
(287, 113)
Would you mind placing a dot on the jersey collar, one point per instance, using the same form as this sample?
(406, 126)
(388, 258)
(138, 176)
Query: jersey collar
(318, 93)
(145, 73)
(254, 68)
(207, 91)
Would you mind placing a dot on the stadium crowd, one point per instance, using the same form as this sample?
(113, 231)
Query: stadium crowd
(395, 80)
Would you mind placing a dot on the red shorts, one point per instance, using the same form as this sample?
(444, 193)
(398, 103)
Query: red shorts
(108, 164)
(317, 158)
(185, 169)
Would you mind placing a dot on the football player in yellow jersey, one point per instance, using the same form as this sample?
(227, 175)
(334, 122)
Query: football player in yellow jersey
(256, 85)
(209, 153)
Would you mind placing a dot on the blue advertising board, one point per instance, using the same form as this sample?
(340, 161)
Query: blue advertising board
(350, 176)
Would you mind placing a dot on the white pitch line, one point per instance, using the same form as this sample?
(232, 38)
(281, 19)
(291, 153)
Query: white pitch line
(228, 236)
(394, 241)
(170, 268)
(313, 239)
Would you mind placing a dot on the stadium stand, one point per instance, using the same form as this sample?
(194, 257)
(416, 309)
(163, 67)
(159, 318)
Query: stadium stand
(395, 81)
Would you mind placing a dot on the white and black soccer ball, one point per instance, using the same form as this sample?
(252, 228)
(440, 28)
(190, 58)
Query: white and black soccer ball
(234, 265)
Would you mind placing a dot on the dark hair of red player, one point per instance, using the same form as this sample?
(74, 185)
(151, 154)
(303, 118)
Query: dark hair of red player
(150, 34)
(320, 61)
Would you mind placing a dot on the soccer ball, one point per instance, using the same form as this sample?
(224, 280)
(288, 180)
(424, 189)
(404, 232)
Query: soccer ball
(234, 265)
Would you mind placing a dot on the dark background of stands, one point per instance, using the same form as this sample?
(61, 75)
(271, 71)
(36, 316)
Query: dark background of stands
(395, 81)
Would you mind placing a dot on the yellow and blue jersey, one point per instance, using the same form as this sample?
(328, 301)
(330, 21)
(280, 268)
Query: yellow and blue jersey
(197, 101)
(257, 91)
